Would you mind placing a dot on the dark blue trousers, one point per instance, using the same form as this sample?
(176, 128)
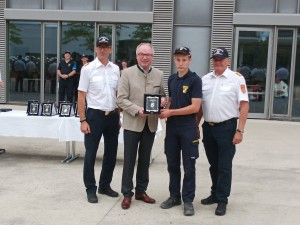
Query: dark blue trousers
(220, 151)
(181, 138)
(66, 87)
(136, 143)
(108, 126)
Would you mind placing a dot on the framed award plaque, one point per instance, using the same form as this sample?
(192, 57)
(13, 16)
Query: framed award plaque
(59, 103)
(152, 103)
(76, 109)
(48, 109)
(33, 108)
(66, 110)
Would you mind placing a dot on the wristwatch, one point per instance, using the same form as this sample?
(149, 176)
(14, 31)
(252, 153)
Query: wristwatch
(240, 131)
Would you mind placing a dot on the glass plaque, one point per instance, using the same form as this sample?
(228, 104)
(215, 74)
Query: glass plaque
(152, 103)
(66, 109)
(33, 108)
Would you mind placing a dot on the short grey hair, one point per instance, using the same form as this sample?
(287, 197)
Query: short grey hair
(141, 44)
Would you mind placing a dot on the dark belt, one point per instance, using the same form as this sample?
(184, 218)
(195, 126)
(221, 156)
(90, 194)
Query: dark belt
(220, 123)
(106, 113)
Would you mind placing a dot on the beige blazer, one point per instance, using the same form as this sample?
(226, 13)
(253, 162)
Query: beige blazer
(132, 87)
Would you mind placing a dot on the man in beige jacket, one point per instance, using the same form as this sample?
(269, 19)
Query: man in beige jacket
(139, 128)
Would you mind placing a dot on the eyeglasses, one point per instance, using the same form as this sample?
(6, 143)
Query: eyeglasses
(145, 55)
(103, 47)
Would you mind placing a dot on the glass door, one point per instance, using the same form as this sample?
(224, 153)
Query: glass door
(253, 59)
(283, 70)
(50, 61)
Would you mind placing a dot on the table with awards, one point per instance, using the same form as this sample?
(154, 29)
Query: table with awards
(17, 123)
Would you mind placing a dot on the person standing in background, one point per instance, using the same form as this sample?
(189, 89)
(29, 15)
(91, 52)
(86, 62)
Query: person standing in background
(98, 87)
(19, 68)
(225, 107)
(139, 128)
(66, 71)
(84, 61)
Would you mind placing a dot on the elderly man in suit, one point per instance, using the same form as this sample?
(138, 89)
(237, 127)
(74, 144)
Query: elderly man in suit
(139, 128)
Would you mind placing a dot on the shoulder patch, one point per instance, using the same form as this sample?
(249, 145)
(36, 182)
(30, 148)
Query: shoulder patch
(237, 73)
(86, 64)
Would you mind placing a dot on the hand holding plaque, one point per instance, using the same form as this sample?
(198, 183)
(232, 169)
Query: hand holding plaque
(152, 103)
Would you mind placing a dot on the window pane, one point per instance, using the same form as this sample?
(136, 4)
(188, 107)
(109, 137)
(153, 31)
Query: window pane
(246, 6)
(78, 4)
(128, 37)
(78, 38)
(134, 5)
(287, 6)
(252, 62)
(106, 5)
(50, 62)
(296, 94)
(51, 4)
(282, 74)
(193, 12)
(24, 60)
(24, 4)
(199, 49)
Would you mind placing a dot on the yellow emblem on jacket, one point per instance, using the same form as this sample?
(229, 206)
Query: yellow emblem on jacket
(237, 73)
(184, 89)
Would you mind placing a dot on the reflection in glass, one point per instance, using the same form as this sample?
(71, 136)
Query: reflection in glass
(282, 78)
(296, 92)
(50, 65)
(128, 37)
(24, 50)
(252, 64)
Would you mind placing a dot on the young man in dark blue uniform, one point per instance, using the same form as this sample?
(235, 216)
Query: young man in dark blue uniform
(66, 71)
(185, 93)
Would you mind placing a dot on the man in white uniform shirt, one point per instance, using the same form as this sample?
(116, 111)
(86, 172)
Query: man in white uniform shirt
(225, 99)
(98, 87)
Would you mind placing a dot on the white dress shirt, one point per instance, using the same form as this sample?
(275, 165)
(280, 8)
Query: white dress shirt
(100, 82)
(222, 95)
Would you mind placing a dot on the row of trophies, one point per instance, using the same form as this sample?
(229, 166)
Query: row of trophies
(63, 109)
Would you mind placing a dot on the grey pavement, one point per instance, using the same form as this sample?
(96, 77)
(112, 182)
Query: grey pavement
(37, 189)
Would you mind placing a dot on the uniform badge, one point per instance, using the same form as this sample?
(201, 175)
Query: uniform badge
(184, 89)
(243, 88)
(69, 64)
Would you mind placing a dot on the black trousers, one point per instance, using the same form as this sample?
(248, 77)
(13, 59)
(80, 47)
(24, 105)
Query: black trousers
(181, 139)
(66, 87)
(141, 143)
(220, 151)
(108, 126)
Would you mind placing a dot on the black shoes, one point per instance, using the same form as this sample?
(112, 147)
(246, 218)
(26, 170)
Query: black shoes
(209, 200)
(188, 209)
(221, 209)
(92, 198)
(170, 202)
(109, 192)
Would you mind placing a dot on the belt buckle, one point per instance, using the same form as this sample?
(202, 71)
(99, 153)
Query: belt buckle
(211, 123)
(107, 113)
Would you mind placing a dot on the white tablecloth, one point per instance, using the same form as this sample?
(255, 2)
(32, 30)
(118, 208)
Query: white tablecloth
(16, 123)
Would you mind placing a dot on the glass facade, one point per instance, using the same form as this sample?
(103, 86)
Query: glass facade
(258, 53)
(24, 53)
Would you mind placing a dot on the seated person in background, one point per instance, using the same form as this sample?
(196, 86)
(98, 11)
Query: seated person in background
(280, 87)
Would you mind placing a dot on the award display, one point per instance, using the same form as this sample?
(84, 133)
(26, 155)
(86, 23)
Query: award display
(66, 110)
(48, 109)
(152, 103)
(33, 108)
(76, 109)
(59, 103)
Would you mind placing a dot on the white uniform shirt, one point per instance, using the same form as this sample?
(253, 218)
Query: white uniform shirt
(222, 95)
(281, 90)
(100, 82)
